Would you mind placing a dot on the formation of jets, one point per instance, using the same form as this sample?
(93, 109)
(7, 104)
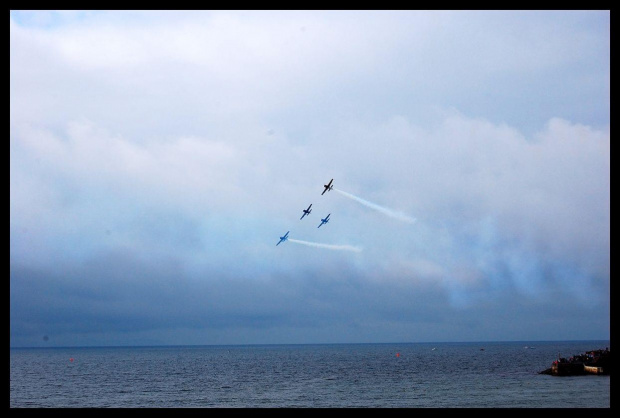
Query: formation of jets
(327, 187)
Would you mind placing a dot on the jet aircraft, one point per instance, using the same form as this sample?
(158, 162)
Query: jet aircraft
(327, 186)
(306, 212)
(324, 220)
(284, 238)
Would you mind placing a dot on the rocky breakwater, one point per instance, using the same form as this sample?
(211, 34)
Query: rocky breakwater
(590, 362)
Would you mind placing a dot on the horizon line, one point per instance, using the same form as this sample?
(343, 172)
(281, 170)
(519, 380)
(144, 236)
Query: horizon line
(277, 344)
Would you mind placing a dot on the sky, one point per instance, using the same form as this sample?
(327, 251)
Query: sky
(157, 157)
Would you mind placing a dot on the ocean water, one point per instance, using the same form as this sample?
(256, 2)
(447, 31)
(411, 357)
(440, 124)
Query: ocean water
(407, 375)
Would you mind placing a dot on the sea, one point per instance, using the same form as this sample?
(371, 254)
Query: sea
(386, 375)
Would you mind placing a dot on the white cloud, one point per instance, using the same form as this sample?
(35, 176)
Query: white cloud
(551, 193)
(201, 68)
(201, 137)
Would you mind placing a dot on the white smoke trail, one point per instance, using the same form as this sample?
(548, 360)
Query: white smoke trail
(328, 246)
(396, 215)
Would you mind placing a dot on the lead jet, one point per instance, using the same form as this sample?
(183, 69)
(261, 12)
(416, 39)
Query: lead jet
(306, 212)
(284, 238)
(327, 186)
(324, 220)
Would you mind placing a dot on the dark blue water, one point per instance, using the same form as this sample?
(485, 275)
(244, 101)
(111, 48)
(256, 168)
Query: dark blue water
(408, 375)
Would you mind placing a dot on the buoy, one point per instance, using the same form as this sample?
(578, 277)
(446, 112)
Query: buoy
(397, 354)
(71, 359)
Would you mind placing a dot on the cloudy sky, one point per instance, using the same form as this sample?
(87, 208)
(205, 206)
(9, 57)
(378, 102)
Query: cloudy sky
(157, 157)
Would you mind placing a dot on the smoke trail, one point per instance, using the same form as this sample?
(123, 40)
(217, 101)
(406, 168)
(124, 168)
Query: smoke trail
(328, 246)
(396, 215)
